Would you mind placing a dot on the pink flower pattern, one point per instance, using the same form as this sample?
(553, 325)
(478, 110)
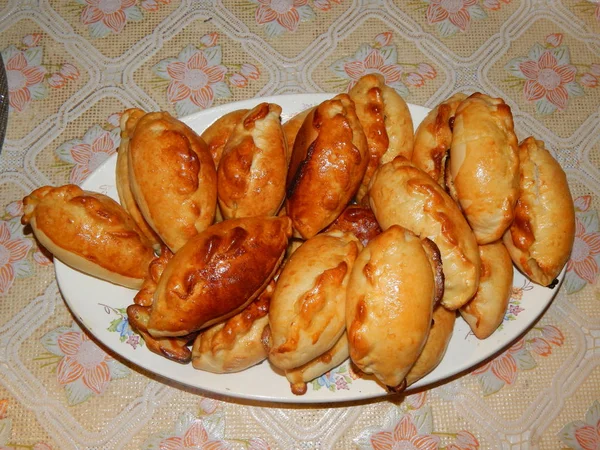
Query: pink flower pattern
(404, 435)
(27, 78)
(503, 370)
(24, 74)
(381, 57)
(583, 434)
(83, 368)
(105, 17)
(284, 16)
(197, 76)
(584, 265)
(88, 153)
(546, 76)
(191, 432)
(13, 250)
(410, 425)
(455, 16)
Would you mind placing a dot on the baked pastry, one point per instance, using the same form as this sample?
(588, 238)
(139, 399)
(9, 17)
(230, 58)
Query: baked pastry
(145, 296)
(486, 310)
(328, 162)
(291, 128)
(235, 344)
(90, 232)
(541, 237)
(129, 119)
(252, 172)
(172, 178)
(440, 333)
(218, 132)
(484, 165)
(306, 317)
(332, 358)
(390, 298)
(358, 220)
(386, 121)
(403, 194)
(173, 348)
(433, 138)
(217, 274)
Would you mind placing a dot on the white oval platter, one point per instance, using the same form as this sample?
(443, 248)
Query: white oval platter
(99, 307)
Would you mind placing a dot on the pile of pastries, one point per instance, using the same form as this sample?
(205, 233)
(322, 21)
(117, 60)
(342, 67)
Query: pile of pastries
(340, 233)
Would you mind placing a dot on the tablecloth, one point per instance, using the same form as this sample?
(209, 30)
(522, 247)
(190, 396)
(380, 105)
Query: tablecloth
(74, 65)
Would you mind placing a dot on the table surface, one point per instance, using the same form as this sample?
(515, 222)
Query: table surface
(74, 65)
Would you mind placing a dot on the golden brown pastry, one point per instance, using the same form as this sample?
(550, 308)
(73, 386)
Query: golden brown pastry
(440, 333)
(484, 165)
(173, 348)
(433, 138)
(541, 237)
(129, 119)
(389, 306)
(217, 274)
(89, 232)
(306, 317)
(253, 168)
(217, 133)
(145, 295)
(358, 220)
(486, 310)
(386, 121)
(172, 178)
(235, 344)
(332, 358)
(291, 128)
(402, 194)
(328, 162)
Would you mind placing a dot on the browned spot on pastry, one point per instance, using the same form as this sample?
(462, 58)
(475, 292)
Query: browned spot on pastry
(521, 230)
(298, 388)
(258, 113)
(369, 273)
(358, 220)
(397, 389)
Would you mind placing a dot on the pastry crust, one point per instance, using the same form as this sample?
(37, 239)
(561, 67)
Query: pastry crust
(358, 220)
(403, 194)
(328, 162)
(386, 121)
(235, 344)
(291, 128)
(89, 232)
(217, 133)
(391, 294)
(252, 172)
(486, 310)
(172, 178)
(129, 119)
(433, 138)
(307, 309)
(484, 165)
(540, 239)
(217, 274)
(440, 333)
(332, 358)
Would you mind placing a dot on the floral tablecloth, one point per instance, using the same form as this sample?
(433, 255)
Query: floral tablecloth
(73, 66)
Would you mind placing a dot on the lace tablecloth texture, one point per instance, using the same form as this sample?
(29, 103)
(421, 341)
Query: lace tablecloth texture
(73, 66)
